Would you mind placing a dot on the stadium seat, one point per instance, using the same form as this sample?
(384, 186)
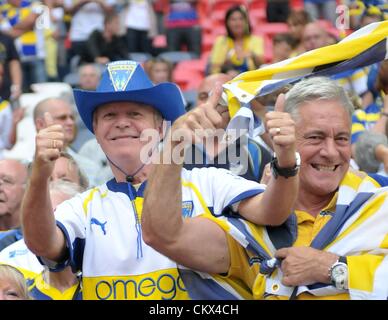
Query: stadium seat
(55, 88)
(139, 57)
(177, 56)
(271, 28)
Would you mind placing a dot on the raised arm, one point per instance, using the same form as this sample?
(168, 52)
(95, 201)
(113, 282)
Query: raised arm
(197, 243)
(274, 205)
(41, 234)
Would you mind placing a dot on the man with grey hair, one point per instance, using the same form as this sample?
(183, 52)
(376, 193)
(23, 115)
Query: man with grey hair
(63, 113)
(13, 178)
(63, 285)
(331, 247)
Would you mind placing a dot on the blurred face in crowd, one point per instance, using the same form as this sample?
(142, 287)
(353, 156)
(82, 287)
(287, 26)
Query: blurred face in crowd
(65, 169)
(118, 127)
(237, 24)
(314, 36)
(88, 77)
(113, 26)
(205, 88)
(63, 114)
(159, 72)
(281, 51)
(13, 176)
(296, 29)
(323, 141)
(10, 288)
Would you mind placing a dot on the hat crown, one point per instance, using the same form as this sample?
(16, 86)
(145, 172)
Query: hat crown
(124, 75)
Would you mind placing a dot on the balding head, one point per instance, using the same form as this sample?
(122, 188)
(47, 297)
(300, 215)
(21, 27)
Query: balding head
(13, 177)
(62, 113)
(89, 76)
(314, 36)
(208, 84)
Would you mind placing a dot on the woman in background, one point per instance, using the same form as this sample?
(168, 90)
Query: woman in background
(239, 47)
(12, 284)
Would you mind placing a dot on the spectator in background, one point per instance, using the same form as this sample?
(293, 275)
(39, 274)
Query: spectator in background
(13, 179)
(66, 177)
(374, 117)
(243, 156)
(159, 70)
(66, 169)
(19, 21)
(141, 25)
(353, 80)
(89, 76)
(371, 152)
(283, 46)
(239, 47)
(314, 36)
(11, 84)
(63, 113)
(8, 119)
(297, 21)
(182, 26)
(106, 45)
(62, 285)
(12, 284)
(87, 16)
(321, 9)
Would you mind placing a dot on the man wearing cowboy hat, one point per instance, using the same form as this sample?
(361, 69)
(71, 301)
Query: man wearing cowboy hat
(99, 231)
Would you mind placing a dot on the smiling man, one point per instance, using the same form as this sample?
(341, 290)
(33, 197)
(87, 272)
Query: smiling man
(334, 245)
(99, 232)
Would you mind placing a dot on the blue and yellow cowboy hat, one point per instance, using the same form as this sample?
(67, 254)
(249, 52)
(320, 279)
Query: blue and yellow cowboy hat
(127, 81)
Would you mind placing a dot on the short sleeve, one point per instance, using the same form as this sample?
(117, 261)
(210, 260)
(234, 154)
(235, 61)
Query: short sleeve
(229, 189)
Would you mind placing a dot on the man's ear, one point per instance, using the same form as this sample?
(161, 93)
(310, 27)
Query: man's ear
(40, 123)
(163, 128)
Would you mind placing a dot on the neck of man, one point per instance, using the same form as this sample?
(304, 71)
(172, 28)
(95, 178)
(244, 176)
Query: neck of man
(62, 280)
(138, 177)
(9, 221)
(312, 204)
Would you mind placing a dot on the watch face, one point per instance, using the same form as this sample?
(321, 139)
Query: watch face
(339, 275)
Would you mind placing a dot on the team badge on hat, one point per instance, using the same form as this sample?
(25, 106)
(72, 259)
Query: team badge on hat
(120, 72)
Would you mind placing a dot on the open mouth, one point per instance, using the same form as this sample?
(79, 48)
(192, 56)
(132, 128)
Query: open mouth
(325, 168)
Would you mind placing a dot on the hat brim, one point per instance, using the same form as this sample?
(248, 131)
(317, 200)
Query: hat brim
(164, 97)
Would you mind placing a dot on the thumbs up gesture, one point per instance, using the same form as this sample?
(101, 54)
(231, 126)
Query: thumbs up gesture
(202, 121)
(49, 144)
(281, 129)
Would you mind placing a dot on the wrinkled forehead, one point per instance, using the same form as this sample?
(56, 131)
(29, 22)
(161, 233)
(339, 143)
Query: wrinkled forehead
(14, 169)
(316, 113)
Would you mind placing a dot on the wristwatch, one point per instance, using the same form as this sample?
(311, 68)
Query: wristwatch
(338, 274)
(285, 172)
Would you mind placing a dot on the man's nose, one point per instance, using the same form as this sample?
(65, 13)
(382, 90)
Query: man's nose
(329, 149)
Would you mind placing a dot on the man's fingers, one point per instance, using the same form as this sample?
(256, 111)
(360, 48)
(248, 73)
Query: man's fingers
(281, 253)
(48, 119)
(215, 96)
(280, 102)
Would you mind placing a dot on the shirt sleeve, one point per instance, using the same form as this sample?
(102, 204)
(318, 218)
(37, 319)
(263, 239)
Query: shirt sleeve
(229, 189)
